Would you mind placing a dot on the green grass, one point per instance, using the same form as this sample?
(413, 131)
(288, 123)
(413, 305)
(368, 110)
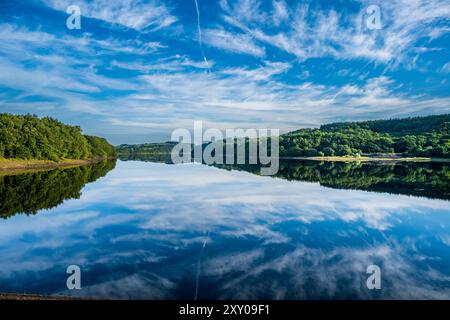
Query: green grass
(22, 164)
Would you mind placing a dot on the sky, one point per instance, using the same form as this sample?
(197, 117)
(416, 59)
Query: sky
(136, 70)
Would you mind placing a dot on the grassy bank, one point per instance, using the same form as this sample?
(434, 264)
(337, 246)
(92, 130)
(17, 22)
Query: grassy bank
(18, 165)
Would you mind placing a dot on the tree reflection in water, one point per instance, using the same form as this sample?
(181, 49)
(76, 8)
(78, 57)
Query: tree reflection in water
(30, 192)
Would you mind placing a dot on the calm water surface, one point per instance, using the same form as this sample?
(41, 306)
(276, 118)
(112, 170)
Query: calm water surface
(160, 231)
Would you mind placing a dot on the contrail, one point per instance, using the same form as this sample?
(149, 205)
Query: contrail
(197, 278)
(200, 41)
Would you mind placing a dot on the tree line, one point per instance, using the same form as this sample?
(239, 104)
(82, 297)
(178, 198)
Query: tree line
(164, 148)
(415, 137)
(30, 137)
(411, 137)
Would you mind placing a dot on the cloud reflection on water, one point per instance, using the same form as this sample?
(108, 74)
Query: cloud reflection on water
(138, 232)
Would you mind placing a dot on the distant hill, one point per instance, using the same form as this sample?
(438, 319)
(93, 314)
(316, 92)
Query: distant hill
(30, 137)
(416, 137)
(411, 137)
(416, 125)
(146, 148)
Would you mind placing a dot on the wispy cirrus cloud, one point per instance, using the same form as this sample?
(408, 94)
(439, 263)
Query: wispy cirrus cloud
(311, 32)
(281, 12)
(168, 92)
(446, 68)
(278, 64)
(232, 42)
(136, 14)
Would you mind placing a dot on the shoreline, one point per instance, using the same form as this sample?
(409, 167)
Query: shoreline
(19, 165)
(331, 159)
(25, 296)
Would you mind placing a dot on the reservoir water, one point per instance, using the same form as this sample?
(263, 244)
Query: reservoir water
(151, 230)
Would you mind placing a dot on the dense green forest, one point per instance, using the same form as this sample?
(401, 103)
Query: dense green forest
(411, 137)
(416, 137)
(30, 192)
(156, 158)
(145, 149)
(30, 137)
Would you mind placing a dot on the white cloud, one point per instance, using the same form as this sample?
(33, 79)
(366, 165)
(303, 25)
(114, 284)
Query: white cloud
(167, 88)
(260, 74)
(246, 10)
(135, 14)
(238, 43)
(313, 33)
(281, 12)
(176, 63)
(171, 90)
(446, 68)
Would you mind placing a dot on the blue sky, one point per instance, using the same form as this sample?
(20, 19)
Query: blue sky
(136, 70)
